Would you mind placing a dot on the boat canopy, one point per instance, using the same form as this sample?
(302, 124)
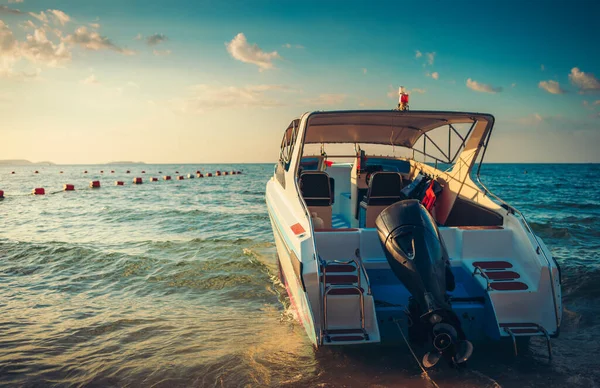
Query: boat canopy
(397, 128)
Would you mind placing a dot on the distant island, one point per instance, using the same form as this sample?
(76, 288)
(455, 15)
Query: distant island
(23, 162)
(125, 163)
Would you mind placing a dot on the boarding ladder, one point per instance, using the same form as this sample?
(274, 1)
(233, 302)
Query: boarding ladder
(341, 280)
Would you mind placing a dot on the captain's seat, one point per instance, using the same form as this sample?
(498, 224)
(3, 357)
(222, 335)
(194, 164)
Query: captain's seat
(316, 190)
(384, 190)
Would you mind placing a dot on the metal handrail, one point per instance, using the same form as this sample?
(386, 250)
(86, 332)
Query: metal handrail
(527, 227)
(483, 275)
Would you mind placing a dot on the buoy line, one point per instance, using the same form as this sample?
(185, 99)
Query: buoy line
(95, 184)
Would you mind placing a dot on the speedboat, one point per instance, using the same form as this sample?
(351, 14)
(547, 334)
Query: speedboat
(383, 236)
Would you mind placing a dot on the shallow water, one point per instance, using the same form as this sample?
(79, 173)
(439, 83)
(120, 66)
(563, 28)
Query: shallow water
(172, 283)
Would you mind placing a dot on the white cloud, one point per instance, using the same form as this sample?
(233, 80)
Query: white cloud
(418, 54)
(481, 87)
(92, 40)
(435, 75)
(513, 85)
(597, 102)
(430, 58)
(531, 120)
(210, 97)
(240, 49)
(289, 46)
(325, 99)
(15, 1)
(551, 87)
(42, 17)
(586, 82)
(161, 53)
(95, 25)
(364, 70)
(28, 25)
(91, 80)
(417, 90)
(59, 16)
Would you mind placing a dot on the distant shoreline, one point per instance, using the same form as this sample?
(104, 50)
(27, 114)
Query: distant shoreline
(25, 163)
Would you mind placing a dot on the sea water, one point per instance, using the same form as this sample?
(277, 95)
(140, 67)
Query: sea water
(173, 283)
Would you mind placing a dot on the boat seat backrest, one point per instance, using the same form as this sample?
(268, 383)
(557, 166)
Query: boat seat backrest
(316, 191)
(316, 188)
(384, 190)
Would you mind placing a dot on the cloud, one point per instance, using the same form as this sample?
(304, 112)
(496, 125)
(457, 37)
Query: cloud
(14, 1)
(417, 90)
(597, 102)
(586, 82)
(155, 39)
(38, 48)
(480, 87)
(59, 16)
(430, 58)
(161, 53)
(514, 84)
(435, 75)
(239, 49)
(289, 45)
(531, 120)
(210, 97)
(364, 70)
(95, 25)
(551, 87)
(418, 54)
(91, 40)
(91, 80)
(325, 99)
(11, 11)
(542, 67)
(42, 17)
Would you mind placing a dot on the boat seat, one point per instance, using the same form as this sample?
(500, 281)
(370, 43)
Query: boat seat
(384, 190)
(316, 191)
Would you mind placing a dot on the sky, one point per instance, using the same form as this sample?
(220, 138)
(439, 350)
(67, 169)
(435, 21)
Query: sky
(219, 81)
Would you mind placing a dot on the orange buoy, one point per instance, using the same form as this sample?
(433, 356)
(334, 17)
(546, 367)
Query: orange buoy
(143, 172)
(36, 172)
(160, 172)
(127, 172)
(218, 173)
(180, 177)
(176, 172)
(209, 174)
(101, 171)
(137, 181)
(190, 176)
(197, 171)
(239, 172)
(60, 172)
(1, 194)
(167, 177)
(119, 183)
(95, 184)
(112, 171)
(68, 187)
(199, 175)
(12, 172)
(233, 173)
(38, 191)
(153, 179)
(225, 173)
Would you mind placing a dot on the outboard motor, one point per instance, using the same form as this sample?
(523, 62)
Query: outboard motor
(417, 255)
